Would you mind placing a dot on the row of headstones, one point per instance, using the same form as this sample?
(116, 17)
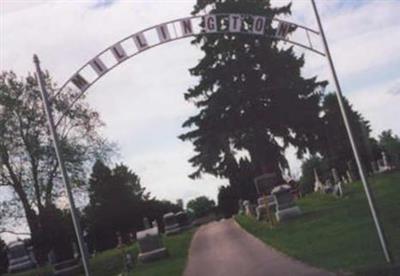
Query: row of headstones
(381, 165)
(20, 257)
(149, 240)
(336, 188)
(71, 266)
(279, 205)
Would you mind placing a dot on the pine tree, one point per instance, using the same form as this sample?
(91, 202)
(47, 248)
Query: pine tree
(335, 145)
(251, 98)
(116, 204)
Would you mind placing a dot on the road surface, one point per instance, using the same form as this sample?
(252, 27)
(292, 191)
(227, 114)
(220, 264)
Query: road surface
(224, 249)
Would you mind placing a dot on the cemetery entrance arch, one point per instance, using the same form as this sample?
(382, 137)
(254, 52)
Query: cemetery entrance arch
(210, 24)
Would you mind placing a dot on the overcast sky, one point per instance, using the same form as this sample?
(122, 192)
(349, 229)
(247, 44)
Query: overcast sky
(142, 102)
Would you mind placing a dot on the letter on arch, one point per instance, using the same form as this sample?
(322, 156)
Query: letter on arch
(258, 25)
(210, 23)
(140, 41)
(98, 66)
(235, 23)
(163, 33)
(186, 26)
(283, 29)
(118, 52)
(80, 82)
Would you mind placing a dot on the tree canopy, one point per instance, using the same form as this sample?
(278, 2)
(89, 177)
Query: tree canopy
(252, 99)
(334, 143)
(201, 206)
(28, 165)
(118, 204)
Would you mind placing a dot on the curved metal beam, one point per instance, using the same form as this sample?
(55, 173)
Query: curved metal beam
(168, 31)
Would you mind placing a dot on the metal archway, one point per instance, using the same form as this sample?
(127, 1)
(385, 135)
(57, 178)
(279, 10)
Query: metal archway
(182, 28)
(169, 31)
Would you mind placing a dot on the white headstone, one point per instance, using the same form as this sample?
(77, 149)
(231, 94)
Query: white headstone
(317, 184)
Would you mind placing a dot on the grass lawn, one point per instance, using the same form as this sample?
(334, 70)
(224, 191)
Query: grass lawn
(338, 234)
(110, 263)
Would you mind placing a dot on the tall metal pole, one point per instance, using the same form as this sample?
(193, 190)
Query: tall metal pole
(371, 201)
(50, 120)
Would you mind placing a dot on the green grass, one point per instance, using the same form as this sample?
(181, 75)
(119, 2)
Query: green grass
(338, 234)
(110, 262)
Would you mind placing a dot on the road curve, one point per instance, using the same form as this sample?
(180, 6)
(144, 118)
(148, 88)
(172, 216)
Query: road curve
(225, 249)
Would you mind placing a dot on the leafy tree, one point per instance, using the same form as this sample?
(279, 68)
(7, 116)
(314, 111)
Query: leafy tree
(118, 203)
(390, 143)
(58, 233)
(201, 206)
(28, 164)
(251, 98)
(115, 204)
(228, 201)
(335, 145)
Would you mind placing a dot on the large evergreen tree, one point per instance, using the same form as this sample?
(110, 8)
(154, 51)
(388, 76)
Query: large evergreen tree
(228, 201)
(115, 204)
(118, 203)
(251, 97)
(335, 145)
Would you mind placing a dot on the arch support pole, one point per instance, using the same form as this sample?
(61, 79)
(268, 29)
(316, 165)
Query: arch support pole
(56, 144)
(367, 189)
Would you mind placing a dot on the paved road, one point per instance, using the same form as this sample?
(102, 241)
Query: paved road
(224, 249)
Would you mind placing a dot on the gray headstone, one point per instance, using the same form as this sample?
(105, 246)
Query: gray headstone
(182, 219)
(283, 197)
(317, 182)
(374, 167)
(335, 176)
(384, 159)
(349, 176)
(171, 224)
(352, 170)
(150, 245)
(285, 205)
(265, 183)
(149, 240)
(241, 207)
